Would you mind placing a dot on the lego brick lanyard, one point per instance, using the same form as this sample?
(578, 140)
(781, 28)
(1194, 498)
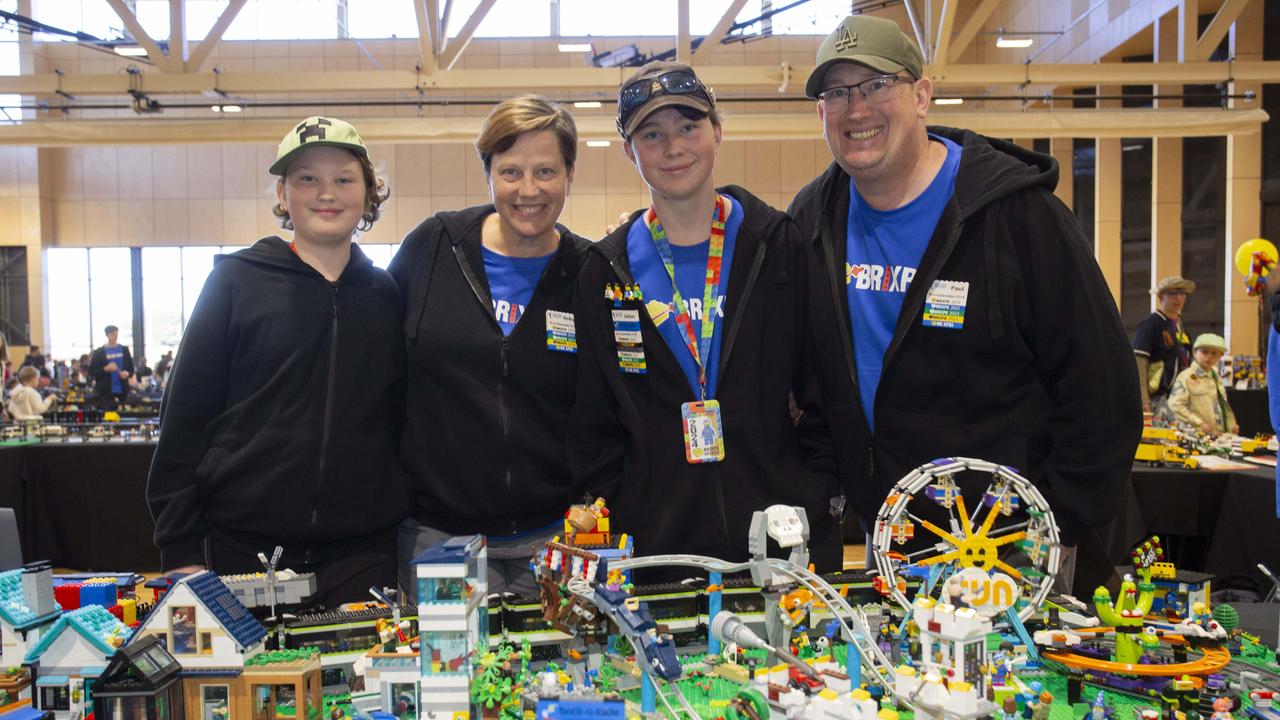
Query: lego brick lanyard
(701, 423)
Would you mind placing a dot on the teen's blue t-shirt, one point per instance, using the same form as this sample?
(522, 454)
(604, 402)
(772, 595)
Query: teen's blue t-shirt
(512, 281)
(691, 280)
(116, 355)
(882, 251)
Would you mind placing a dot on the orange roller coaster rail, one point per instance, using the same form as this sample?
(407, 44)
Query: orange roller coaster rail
(1213, 660)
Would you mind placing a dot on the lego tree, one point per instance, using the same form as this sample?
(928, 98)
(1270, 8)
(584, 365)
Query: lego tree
(1226, 616)
(1132, 604)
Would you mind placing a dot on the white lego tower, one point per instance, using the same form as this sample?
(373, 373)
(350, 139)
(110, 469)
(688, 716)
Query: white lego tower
(453, 622)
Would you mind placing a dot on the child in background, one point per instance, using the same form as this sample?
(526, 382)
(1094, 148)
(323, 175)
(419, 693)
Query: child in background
(279, 421)
(1197, 397)
(25, 403)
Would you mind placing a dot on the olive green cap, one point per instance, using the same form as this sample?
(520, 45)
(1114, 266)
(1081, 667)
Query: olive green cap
(874, 42)
(1210, 340)
(313, 132)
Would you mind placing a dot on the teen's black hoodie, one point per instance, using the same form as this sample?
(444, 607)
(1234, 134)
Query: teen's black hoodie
(278, 423)
(484, 437)
(626, 439)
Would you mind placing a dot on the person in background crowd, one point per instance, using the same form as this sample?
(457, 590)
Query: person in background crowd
(691, 333)
(280, 420)
(1198, 397)
(1273, 364)
(492, 350)
(37, 360)
(162, 367)
(973, 319)
(25, 402)
(1160, 345)
(4, 359)
(111, 367)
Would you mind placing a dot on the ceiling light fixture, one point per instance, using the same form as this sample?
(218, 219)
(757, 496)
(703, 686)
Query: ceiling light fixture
(948, 101)
(226, 108)
(575, 47)
(130, 50)
(1014, 42)
(587, 104)
(598, 143)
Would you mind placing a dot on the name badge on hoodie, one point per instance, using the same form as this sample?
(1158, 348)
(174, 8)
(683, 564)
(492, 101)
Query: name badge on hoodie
(945, 303)
(562, 336)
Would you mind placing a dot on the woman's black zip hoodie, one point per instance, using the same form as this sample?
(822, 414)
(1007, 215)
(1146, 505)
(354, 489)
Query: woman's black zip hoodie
(625, 439)
(484, 438)
(279, 421)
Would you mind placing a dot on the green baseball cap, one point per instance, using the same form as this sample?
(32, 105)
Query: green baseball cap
(313, 132)
(874, 42)
(1211, 340)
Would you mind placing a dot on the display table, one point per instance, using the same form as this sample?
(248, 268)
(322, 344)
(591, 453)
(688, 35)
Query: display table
(1217, 521)
(81, 505)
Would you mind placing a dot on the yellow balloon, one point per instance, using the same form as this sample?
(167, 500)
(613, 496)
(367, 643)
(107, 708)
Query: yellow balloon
(1244, 255)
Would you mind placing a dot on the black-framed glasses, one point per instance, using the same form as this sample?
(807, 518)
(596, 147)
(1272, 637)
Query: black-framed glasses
(876, 90)
(675, 82)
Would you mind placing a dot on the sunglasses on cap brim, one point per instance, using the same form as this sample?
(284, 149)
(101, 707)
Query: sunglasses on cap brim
(675, 82)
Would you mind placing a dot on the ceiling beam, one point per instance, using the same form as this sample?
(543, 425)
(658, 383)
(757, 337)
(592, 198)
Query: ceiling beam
(214, 37)
(177, 35)
(921, 40)
(1218, 27)
(154, 53)
(970, 29)
(712, 41)
(608, 79)
(1188, 30)
(450, 54)
(684, 41)
(426, 34)
(941, 46)
(740, 127)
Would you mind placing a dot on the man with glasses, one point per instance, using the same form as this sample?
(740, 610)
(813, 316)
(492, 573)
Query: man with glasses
(1160, 345)
(956, 303)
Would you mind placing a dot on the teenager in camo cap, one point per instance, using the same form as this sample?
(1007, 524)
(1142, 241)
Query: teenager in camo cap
(277, 423)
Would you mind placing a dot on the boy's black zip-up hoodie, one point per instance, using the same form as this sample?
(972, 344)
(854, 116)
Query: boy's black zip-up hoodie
(626, 440)
(279, 420)
(1040, 377)
(484, 439)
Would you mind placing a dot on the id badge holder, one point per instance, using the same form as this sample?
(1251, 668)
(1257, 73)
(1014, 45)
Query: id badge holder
(703, 432)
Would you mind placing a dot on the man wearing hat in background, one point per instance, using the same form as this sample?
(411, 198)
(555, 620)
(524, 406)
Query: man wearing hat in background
(1197, 397)
(1160, 345)
(956, 303)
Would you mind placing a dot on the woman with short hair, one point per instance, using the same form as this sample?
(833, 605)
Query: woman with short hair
(492, 350)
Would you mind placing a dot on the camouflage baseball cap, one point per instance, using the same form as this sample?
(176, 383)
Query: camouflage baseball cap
(313, 132)
(874, 42)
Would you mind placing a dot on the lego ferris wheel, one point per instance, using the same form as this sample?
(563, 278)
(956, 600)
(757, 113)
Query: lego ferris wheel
(926, 532)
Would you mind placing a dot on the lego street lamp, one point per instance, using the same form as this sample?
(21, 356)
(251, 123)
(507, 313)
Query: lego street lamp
(270, 567)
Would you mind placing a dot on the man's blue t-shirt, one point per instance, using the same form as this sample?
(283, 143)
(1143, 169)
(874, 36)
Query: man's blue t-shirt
(116, 355)
(882, 251)
(691, 280)
(512, 281)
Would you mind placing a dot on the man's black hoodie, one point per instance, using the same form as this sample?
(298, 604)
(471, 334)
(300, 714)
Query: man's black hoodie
(1040, 377)
(484, 437)
(626, 438)
(278, 422)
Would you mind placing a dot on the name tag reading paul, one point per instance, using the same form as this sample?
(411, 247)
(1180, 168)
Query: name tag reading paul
(945, 303)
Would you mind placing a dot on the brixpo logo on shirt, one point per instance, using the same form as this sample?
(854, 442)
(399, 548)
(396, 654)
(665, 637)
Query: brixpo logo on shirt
(879, 278)
(505, 311)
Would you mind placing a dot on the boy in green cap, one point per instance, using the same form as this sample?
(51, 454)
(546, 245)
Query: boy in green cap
(1197, 397)
(277, 424)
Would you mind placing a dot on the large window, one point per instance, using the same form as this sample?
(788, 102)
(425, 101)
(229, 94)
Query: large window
(90, 288)
(9, 64)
